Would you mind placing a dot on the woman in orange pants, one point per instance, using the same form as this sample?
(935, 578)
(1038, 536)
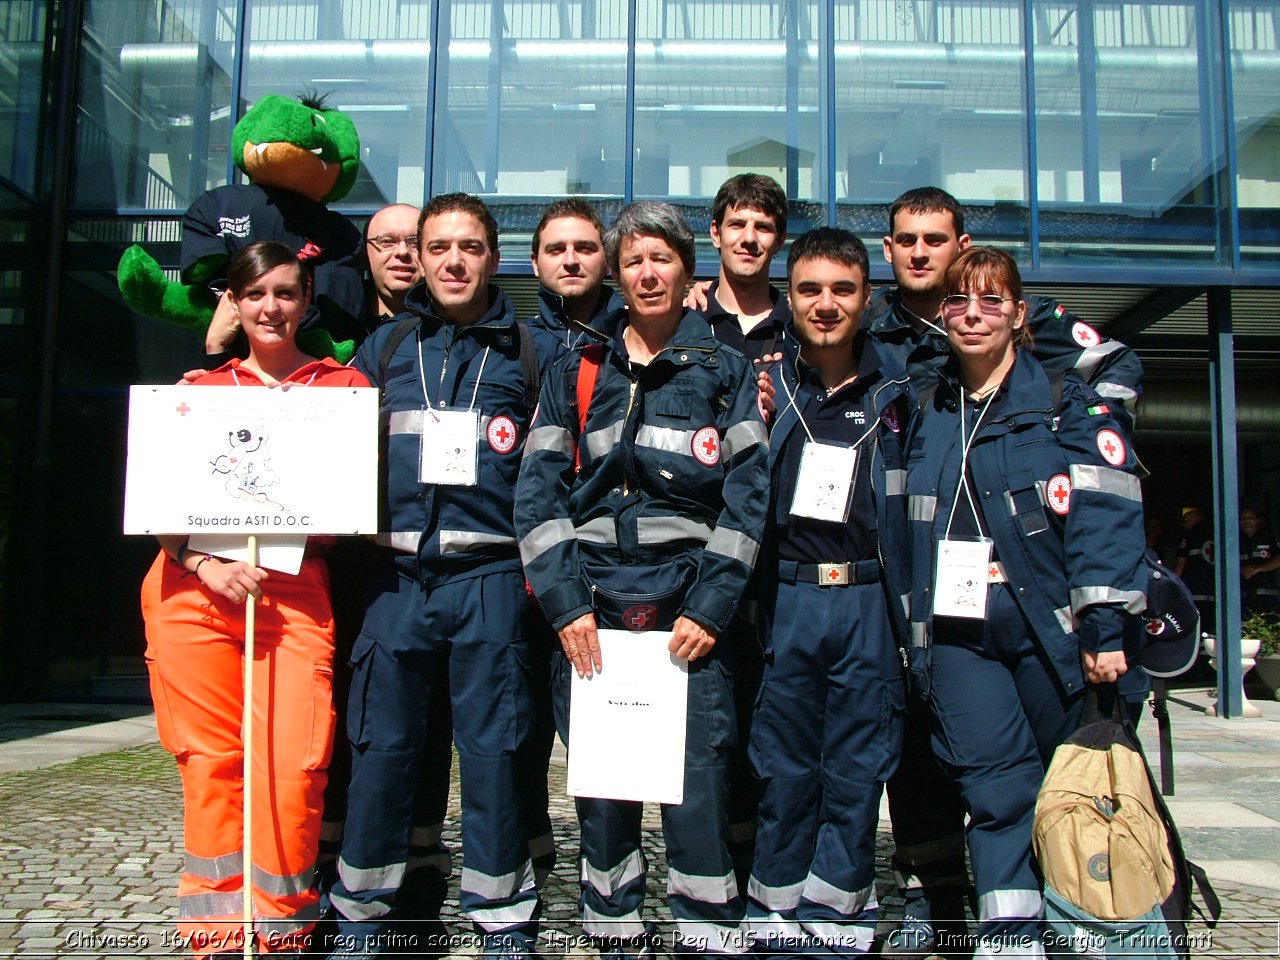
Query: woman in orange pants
(193, 606)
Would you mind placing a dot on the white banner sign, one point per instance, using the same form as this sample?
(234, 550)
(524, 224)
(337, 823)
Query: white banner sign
(234, 460)
(627, 723)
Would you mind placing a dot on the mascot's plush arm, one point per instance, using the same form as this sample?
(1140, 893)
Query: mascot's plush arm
(298, 156)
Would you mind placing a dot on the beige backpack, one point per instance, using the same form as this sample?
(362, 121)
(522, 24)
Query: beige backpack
(1099, 836)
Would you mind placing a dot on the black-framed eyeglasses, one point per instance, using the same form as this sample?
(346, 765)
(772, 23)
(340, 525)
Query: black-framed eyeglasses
(389, 241)
(957, 305)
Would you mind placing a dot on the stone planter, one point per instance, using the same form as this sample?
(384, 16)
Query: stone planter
(1268, 671)
(1248, 651)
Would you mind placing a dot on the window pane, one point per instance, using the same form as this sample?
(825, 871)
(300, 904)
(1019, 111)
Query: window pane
(155, 88)
(532, 101)
(371, 59)
(1125, 118)
(22, 29)
(932, 93)
(1254, 34)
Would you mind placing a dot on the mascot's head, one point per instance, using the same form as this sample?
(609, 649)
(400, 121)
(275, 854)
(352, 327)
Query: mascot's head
(297, 145)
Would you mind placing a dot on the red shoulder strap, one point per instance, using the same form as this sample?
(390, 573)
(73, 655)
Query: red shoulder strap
(588, 371)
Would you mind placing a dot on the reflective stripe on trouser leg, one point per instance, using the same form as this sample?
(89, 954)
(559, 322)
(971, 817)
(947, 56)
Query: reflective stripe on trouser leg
(395, 679)
(613, 868)
(535, 756)
(827, 734)
(195, 658)
(927, 815)
(702, 891)
(492, 720)
(990, 685)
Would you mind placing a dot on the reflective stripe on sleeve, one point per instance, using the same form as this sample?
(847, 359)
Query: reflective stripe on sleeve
(1090, 357)
(549, 440)
(735, 544)
(543, 537)
(742, 436)
(1066, 619)
(1135, 601)
(895, 482)
(1106, 480)
(401, 422)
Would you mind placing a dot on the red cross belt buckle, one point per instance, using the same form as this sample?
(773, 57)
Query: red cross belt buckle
(833, 574)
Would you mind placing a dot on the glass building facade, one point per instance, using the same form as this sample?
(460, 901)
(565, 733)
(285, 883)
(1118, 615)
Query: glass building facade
(1128, 153)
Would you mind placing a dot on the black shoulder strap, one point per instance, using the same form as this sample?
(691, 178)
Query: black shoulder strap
(1056, 377)
(402, 330)
(529, 366)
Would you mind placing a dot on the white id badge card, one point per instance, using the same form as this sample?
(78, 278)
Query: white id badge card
(824, 483)
(450, 447)
(960, 581)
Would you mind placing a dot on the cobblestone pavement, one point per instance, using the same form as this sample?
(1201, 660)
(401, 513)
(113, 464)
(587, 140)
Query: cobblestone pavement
(90, 853)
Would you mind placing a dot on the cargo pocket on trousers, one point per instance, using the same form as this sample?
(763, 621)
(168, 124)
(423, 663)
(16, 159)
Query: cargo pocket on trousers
(361, 672)
(166, 726)
(323, 718)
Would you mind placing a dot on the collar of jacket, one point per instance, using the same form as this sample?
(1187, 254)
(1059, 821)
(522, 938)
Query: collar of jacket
(777, 318)
(885, 380)
(604, 320)
(890, 321)
(692, 343)
(500, 315)
(1025, 388)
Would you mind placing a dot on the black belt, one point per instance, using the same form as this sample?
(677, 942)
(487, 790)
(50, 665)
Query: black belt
(838, 574)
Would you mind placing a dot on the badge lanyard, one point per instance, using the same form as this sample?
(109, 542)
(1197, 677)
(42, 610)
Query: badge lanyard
(960, 575)
(450, 450)
(828, 472)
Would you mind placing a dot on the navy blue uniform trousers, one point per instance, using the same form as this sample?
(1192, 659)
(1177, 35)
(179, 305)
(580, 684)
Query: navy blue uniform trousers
(999, 713)
(462, 639)
(826, 736)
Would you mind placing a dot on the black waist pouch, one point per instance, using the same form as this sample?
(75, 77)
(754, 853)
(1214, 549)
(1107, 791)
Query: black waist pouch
(640, 597)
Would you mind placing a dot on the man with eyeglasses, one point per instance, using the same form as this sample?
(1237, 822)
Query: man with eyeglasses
(391, 250)
(926, 234)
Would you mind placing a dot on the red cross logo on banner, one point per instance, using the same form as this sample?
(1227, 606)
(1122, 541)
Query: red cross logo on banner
(1058, 493)
(706, 446)
(1111, 446)
(182, 409)
(501, 434)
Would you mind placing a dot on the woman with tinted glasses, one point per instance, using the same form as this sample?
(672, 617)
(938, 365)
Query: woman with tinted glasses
(1027, 541)
(193, 608)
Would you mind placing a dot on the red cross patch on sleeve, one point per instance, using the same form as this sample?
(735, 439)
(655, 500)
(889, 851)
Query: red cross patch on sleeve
(1111, 446)
(1058, 492)
(706, 446)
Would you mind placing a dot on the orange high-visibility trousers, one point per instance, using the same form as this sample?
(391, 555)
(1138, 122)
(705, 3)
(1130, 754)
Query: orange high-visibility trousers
(195, 656)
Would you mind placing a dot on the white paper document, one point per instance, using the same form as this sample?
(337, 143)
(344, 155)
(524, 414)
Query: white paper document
(960, 580)
(275, 551)
(627, 723)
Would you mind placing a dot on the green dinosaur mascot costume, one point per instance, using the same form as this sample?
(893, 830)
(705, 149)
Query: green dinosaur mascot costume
(298, 157)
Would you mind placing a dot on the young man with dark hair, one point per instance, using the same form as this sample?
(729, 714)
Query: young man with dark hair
(748, 228)
(828, 727)
(447, 593)
(569, 262)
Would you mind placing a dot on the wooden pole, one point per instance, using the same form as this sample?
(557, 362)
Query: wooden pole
(250, 617)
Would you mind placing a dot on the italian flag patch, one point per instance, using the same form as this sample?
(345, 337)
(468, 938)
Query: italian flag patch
(1098, 409)
(1058, 311)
